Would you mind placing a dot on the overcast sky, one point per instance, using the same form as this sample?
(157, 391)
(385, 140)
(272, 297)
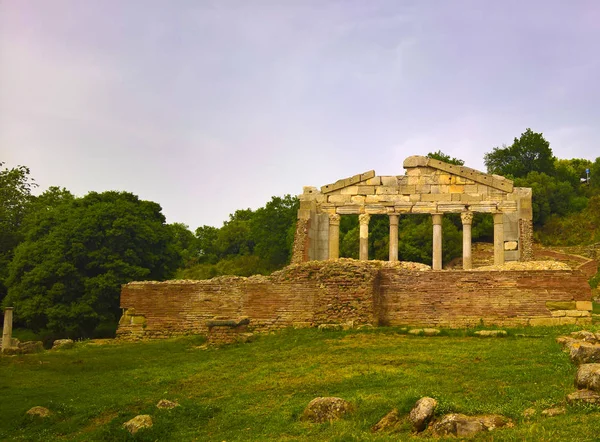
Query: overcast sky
(211, 106)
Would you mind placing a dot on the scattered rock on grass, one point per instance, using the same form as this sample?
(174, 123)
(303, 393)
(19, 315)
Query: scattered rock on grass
(584, 352)
(588, 377)
(491, 333)
(529, 413)
(323, 409)
(584, 397)
(551, 412)
(387, 422)
(422, 413)
(461, 425)
(166, 404)
(584, 335)
(138, 422)
(424, 331)
(39, 411)
(62, 344)
(31, 347)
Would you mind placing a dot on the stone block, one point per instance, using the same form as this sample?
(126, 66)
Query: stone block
(558, 313)
(511, 245)
(407, 189)
(358, 199)
(403, 207)
(352, 209)
(414, 197)
(375, 181)
(471, 188)
(450, 207)
(339, 199)
(372, 199)
(413, 180)
(386, 190)
(444, 178)
(389, 181)
(366, 190)
(402, 180)
(535, 322)
(367, 175)
(423, 188)
(467, 197)
(436, 197)
(415, 161)
(456, 188)
(567, 320)
(424, 207)
(375, 210)
(577, 313)
(584, 305)
(561, 305)
(455, 196)
(350, 190)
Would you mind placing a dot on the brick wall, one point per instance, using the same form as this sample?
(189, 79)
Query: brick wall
(466, 298)
(348, 291)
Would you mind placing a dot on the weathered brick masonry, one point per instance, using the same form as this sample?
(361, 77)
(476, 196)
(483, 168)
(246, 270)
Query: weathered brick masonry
(355, 292)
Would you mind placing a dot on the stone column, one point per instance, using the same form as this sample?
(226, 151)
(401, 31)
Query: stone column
(7, 330)
(394, 237)
(437, 241)
(467, 221)
(334, 236)
(364, 219)
(498, 239)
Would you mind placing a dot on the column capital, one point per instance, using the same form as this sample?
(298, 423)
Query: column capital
(436, 218)
(364, 218)
(498, 218)
(466, 217)
(334, 219)
(394, 217)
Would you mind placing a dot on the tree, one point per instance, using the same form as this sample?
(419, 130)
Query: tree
(439, 155)
(15, 198)
(272, 229)
(66, 274)
(531, 152)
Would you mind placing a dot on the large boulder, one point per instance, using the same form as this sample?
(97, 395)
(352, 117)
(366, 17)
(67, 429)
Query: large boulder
(584, 335)
(588, 377)
(422, 413)
(324, 409)
(387, 422)
(62, 344)
(137, 423)
(582, 352)
(460, 425)
(39, 412)
(31, 347)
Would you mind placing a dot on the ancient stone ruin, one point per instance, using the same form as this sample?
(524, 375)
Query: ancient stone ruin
(429, 187)
(318, 289)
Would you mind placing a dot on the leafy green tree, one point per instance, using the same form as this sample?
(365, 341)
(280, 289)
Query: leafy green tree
(66, 274)
(185, 243)
(235, 237)
(206, 244)
(439, 155)
(15, 198)
(272, 229)
(550, 196)
(528, 153)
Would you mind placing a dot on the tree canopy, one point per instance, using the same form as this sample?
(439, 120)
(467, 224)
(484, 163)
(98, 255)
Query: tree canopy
(66, 274)
(528, 153)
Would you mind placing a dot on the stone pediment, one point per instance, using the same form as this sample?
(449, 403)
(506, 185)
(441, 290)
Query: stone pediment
(422, 166)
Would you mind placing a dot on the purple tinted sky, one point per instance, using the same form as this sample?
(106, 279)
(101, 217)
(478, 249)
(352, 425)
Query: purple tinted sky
(211, 106)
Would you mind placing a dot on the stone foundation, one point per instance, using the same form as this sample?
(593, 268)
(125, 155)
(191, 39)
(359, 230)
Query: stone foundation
(354, 292)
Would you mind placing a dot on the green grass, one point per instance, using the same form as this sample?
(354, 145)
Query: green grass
(258, 391)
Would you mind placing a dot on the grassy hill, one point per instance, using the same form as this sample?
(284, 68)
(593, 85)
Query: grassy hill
(257, 391)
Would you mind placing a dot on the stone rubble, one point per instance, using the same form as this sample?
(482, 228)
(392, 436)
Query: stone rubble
(388, 422)
(422, 413)
(39, 412)
(326, 409)
(460, 425)
(137, 423)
